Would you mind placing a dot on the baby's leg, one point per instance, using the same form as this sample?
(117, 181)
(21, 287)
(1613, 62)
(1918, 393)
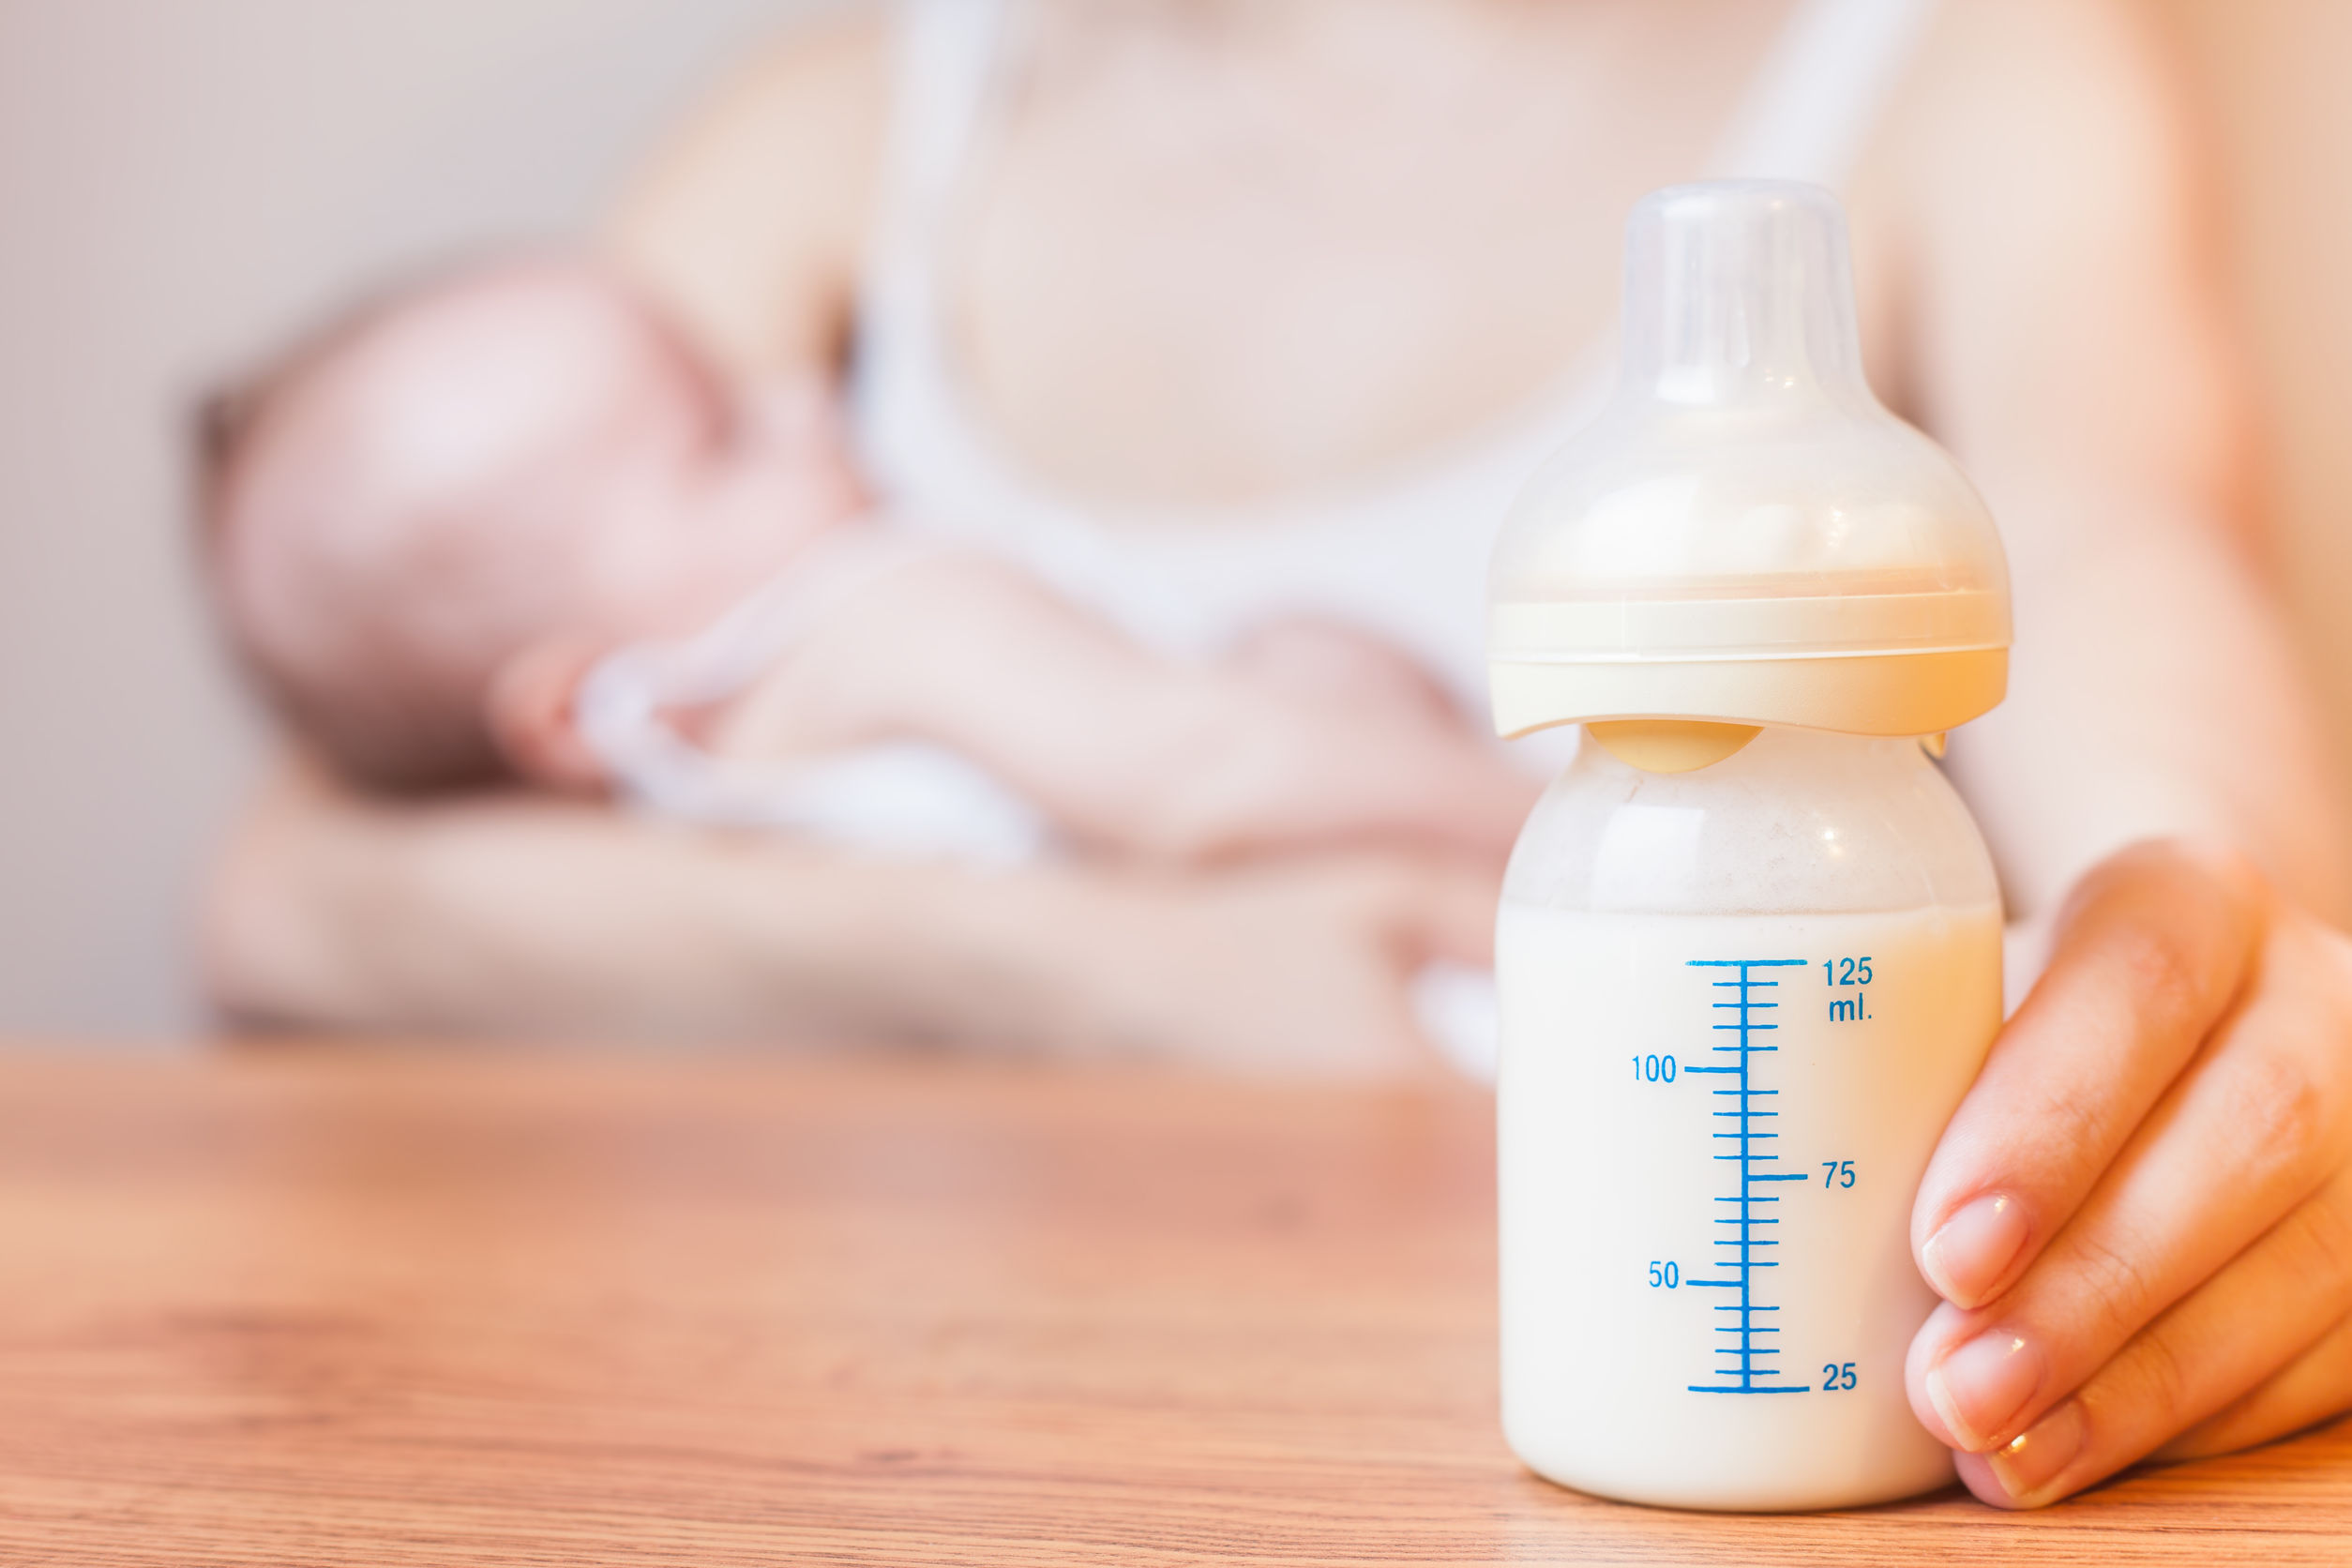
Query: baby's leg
(974, 654)
(1314, 736)
(1319, 659)
(1126, 748)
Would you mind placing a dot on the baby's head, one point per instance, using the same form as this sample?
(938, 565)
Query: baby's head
(500, 472)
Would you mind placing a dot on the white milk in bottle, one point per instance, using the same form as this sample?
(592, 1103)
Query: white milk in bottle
(1749, 949)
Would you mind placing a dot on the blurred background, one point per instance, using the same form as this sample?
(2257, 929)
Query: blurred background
(182, 184)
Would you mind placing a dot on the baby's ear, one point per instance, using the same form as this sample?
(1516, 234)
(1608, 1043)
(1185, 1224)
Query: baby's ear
(529, 708)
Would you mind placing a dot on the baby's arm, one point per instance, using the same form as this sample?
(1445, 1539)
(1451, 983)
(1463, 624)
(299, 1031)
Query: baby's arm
(1312, 743)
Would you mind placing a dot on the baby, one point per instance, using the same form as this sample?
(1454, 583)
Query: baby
(430, 522)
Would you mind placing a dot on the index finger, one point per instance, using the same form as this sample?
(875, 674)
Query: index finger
(2150, 952)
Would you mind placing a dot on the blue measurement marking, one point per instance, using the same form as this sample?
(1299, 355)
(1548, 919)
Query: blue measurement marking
(1743, 1358)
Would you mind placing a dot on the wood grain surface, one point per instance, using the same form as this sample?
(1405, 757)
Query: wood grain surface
(331, 1306)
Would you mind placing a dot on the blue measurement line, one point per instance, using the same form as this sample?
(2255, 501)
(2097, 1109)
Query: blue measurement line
(1739, 1358)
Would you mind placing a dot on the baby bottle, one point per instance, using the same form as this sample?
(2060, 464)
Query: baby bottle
(1749, 947)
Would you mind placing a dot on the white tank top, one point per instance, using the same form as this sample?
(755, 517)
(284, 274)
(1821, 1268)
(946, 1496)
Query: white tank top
(1403, 557)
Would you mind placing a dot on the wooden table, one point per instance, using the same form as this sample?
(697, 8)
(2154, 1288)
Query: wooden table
(315, 1307)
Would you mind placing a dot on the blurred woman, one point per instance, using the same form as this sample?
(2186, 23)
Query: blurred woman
(1196, 311)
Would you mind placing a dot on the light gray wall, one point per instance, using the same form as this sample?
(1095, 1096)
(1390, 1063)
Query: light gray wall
(182, 181)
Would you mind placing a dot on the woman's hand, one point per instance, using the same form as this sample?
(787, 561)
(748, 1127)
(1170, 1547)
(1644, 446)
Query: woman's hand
(1300, 965)
(2141, 1217)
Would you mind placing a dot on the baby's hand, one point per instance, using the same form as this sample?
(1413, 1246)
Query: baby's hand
(2141, 1216)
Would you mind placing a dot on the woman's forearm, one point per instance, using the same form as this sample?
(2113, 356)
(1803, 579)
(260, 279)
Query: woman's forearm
(2153, 692)
(562, 919)
(2072, 352)
(527, 914)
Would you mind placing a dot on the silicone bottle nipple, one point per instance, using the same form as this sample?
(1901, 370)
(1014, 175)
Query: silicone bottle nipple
(1738, 299)
(1746, 535)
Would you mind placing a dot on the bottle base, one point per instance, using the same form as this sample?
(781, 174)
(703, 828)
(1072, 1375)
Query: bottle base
(1751, 1493)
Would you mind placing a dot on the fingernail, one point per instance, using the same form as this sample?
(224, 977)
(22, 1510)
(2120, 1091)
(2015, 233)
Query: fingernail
(1974, 1248)
(2042, 1454)
(1978, 1388)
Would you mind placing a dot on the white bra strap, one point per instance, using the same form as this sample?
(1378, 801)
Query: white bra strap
(947, 51)
(1816, 97)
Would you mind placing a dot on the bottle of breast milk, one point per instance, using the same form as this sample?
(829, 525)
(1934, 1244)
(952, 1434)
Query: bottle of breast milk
(1749, 950)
